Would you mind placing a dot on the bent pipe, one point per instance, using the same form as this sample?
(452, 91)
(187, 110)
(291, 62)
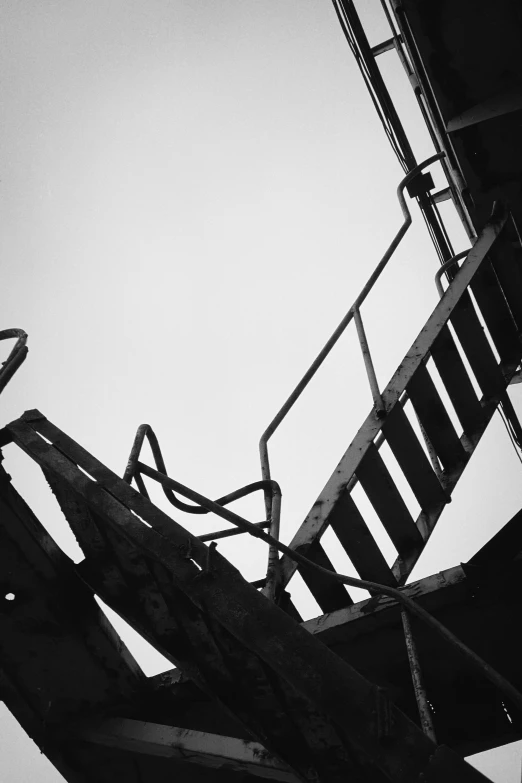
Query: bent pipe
(15, 358)
(133, 470)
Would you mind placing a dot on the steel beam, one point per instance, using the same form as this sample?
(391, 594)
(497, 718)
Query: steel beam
(196, 747)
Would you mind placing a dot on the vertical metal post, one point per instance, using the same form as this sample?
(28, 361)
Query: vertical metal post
(425, 715)
(370, 370)
(273, 570)
(273, 555)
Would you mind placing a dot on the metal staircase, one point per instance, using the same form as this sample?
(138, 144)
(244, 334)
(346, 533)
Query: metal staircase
(303, 703)
(485, 295)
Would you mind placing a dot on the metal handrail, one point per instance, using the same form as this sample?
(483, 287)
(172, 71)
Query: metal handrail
(15, 358)
(408, 603)
(131, 472)
(444, 268)
(135, 468)
(353, 312)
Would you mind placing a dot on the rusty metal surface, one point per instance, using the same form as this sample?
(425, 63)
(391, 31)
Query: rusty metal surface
(417, 678)
(213, 751)
(125, 555)
(469, 714)
(222, 612)
(39, 425)
(59, 656)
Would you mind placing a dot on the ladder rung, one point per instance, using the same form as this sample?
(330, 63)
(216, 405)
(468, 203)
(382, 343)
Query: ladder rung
(329, 594)
(435, 420)
(410, 455)
(496, 313)
(358, 543)
(387, 501)
(475, 344)
(457, 382)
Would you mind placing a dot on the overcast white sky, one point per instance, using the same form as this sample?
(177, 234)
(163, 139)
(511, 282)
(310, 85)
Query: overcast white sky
(192, 194)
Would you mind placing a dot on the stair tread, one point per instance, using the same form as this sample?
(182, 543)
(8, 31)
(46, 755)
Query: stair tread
(358, 542)
(412, 459)
(476, 346)
(329, 594)
(435, 420)
(387, 501)
(457, 382)
(496, 313)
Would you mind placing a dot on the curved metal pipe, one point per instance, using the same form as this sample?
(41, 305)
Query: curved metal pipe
(449, 263)
(131, 472)
(16, 357)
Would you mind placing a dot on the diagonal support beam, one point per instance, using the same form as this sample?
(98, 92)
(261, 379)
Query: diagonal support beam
(373, 733)
(195, 747)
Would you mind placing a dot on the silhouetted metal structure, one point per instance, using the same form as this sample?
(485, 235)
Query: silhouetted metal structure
(398, 687)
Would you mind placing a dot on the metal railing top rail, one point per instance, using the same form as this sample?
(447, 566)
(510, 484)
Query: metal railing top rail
(318, 361)
(16, 357)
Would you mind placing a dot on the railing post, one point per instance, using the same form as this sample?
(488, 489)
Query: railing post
(416, 676)
(370, 369)
(273, 570)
